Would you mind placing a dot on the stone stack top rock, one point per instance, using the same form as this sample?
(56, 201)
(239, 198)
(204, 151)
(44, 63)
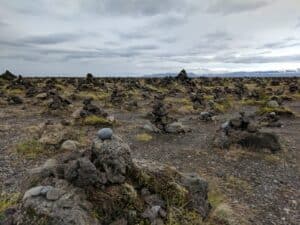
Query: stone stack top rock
(105, 134)
(8, 75)
(182, 75)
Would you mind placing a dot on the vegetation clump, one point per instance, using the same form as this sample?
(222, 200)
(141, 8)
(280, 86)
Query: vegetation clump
(30, 148)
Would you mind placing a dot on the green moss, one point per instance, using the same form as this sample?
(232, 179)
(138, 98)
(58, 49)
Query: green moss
(175, 194)
(215, 197)
(164, 184)
(143, 137)
(223, 214)
(31, 217)
(94, 120)
(96, 96)
(223, 106)
(179, 216)
(282, 111)
(16, 91)
(238, 184)
(30, 148)
(6, 201)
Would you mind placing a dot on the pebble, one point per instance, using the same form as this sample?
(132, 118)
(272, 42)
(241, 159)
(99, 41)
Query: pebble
(105, 133)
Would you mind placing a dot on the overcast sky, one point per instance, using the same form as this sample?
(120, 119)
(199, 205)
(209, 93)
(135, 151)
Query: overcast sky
(130, 37)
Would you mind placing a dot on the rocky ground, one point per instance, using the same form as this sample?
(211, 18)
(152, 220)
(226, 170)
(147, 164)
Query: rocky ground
(172, 121)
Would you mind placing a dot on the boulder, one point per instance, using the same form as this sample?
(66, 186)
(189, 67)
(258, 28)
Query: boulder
(242, 131)
(260, 140)
(69, 145)
(82, 173)
(175, 128)
(60, 204)
(112, 157)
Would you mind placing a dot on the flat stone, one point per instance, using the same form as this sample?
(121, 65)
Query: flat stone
(41, 96)
(36, 191)
(54, 194)
(69, 145)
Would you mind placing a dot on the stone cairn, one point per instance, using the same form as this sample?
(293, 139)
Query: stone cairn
(160, 115)
(105, 186)
(56, 101)
(89, 109)
(243, 131)
(198, 99)
(117, 96)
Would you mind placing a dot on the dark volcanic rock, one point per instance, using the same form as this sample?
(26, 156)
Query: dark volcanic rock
(160, 117)
(182, 76)
(14, 100)
(243, 131)
(76, 190)
(57, 102)
(8, 75)
(90, 109)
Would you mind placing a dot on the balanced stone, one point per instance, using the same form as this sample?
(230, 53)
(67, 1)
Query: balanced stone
(105, 133)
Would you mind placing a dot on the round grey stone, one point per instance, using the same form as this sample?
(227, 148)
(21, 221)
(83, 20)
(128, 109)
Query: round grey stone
(105, 133)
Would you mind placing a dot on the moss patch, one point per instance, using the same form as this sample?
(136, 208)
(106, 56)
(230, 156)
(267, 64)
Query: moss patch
(94, 120)
(281, 111)
(30, 148)
(6, 201)
(143, 137)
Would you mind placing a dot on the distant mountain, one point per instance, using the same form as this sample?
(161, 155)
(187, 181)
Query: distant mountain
(160, 75)
(275, 73)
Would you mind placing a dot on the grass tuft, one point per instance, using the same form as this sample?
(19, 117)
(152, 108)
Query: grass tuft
(282, 111)
(30, 148)
(143, 137)
(94, 120)
(6, 201)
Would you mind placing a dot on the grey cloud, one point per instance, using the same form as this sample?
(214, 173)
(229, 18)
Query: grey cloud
(212, 43)
(134, 35)
(298, 24)
(84, 53)
(52, 38)
(3, 23)
(236, 6)
(170, 21)
(261, 59)
(219, 36)
(145, 7)
(285, 43)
